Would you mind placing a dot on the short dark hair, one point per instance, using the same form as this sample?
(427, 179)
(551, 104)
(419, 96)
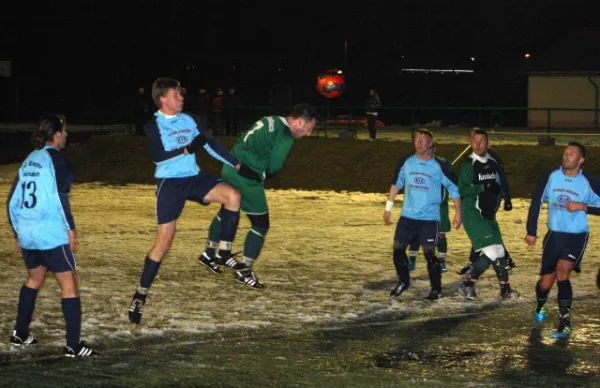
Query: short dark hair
(578, 145)
(161, 86)
(425, 131)
(480, 131)
(304, 110)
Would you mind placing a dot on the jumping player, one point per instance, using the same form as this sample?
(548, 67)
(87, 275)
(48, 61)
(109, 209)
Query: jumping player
(173, 137)
(264, 149)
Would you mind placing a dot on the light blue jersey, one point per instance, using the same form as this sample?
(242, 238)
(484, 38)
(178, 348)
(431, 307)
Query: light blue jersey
(558, 189)
(35, 209)
(169, 136)
(422, 181)
(176, 132)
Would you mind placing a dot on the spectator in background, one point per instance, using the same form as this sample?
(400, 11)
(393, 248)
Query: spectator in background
(141, 110)
(373, 102)
(202, 108)
(231, 102)
(217, 111)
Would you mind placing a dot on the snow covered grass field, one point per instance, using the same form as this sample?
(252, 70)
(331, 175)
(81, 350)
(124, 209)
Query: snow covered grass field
(324, 318)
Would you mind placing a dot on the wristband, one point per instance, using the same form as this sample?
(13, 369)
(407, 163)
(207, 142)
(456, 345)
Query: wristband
(389, 205)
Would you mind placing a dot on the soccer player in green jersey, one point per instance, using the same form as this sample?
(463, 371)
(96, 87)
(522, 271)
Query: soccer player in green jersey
(264, 149)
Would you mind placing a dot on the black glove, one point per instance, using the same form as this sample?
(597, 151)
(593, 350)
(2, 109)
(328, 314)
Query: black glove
(248, 173)
(507, 205)
(492, 187)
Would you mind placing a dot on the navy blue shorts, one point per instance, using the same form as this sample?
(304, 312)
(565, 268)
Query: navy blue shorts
(59, 259)
(171, 194)
(409, 230)
(565, 246)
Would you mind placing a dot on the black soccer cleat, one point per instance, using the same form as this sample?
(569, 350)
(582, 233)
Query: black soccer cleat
(209, 263)
(467, 290)
(598, 279)
(22, 340)
(228, 260)
(248, 277)
(465, 269)
(80, 351)
(433, 295)
(137, 308)
(399, 289)
(510, 294)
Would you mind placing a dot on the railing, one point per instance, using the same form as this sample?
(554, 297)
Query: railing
(351, 117)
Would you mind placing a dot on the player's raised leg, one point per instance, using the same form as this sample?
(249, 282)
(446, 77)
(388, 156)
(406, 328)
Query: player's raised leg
(223, 227)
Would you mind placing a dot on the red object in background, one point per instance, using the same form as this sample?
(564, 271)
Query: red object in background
(331, 83)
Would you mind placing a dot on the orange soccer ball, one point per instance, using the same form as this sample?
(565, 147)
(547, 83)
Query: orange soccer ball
(331, 83)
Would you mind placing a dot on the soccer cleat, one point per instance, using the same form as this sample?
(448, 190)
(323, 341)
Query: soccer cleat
(81, 350)
(467, 290)
(563, 331)
(209, 263)
(412, 263)
(539, 316)
(434, 295)
(228, 260)
(465, 269)
(248, 277)
(137, 308)
(510, 294)
(17, 340)
(399, 289)
(598, 279)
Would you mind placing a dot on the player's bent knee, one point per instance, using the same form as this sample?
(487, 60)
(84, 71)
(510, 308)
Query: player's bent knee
(260, 220)
(494, 252)
(429, 253)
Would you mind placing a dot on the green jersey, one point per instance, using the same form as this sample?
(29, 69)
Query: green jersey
(265, 147)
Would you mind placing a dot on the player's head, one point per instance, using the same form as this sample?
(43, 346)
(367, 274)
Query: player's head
(166, 93)
(480, 142)
(302, 120)
(573, 156)
(51, 130)
(423, 141)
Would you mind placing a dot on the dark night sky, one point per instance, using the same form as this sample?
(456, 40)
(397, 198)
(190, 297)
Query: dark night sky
(99, 49)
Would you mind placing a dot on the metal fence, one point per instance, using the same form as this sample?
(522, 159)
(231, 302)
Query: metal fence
(350, 117)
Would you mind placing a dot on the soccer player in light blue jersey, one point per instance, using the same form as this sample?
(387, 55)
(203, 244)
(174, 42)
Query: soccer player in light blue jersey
(173, 137)
(571, 194)
(422, 177)
(40, 214)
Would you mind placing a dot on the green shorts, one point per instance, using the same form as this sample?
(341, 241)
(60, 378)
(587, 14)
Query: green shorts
(445, 225)
(481, 232)
(254, 199)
